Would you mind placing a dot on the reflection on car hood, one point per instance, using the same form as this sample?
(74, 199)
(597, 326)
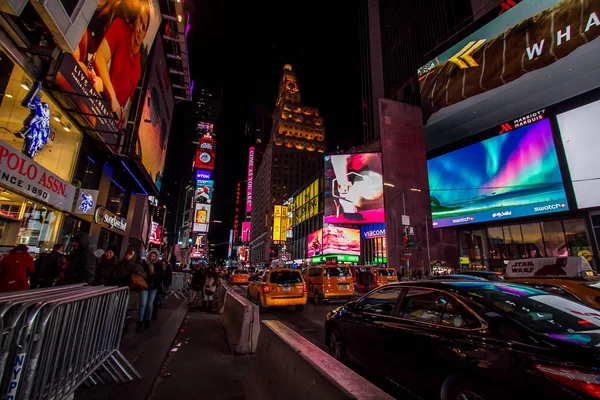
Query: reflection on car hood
(587, 338)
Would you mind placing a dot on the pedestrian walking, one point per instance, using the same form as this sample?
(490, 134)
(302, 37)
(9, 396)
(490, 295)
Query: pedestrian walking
(106, 272)
(197, 285)
(153, 274)
(210, 288)
(81, 263)
(127, 267)
(48, 267)
(15, 267)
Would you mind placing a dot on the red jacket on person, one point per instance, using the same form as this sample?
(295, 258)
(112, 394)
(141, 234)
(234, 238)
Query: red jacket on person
(13, 271)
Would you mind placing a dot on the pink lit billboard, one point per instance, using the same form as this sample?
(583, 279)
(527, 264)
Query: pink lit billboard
(246, 231)
(250, 179)
(315, 243)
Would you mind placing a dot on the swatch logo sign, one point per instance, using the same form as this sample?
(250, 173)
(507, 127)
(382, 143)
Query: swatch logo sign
(502, 214)
(550, 207)
(463, 220)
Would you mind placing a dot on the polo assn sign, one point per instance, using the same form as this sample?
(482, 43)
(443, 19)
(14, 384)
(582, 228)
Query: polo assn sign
(21, 173)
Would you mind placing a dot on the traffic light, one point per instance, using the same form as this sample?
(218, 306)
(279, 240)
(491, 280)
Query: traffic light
(406, 242)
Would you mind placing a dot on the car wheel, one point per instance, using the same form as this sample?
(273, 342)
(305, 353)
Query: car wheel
(466, 391)
(318, 298)
(336, 345)
(300, 308)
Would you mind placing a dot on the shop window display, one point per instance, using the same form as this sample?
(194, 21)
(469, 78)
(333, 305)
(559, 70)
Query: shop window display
(60, 153)
(577, 238)
(554, 238)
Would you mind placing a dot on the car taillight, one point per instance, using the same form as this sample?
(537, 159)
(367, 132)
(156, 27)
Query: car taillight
(583, 381)
(304, 287)
(266, 289)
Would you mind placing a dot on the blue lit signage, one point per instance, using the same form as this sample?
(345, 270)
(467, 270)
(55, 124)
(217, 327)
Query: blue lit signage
(203, 175)
(372, 231)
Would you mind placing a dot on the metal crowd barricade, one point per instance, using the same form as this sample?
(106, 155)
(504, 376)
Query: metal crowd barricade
(54, 340)
(178, 286)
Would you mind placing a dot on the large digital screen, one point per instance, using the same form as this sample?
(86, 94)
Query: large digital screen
(205, 155)
(280, 221)
(338, 240)
(507, 176)
(353, 189)
(155, 233)
(204, 192)
(157, 111)
(246, 229)
(201, 217)
(315, 243)
(579, 132)
(534, 54)
(306, 204)
(250, 180)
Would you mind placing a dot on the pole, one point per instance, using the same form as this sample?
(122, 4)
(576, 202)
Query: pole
(428, 252)
(405, 229)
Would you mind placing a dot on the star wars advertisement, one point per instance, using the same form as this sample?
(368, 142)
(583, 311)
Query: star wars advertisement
(201, 217)
(354, 189)
(107, 66)
(534, 54)
(157, 111)
(205, 156)
(204, 192)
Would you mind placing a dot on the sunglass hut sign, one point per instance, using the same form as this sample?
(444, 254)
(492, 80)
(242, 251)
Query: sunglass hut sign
(25, 176)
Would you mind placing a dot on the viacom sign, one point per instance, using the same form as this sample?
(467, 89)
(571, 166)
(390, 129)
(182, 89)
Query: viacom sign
(372, 231)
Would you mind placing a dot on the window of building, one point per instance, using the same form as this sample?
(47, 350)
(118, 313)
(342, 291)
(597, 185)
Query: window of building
(118, 199)
(532, 240)
(496, 238)
(576, 236)
(554, 238)
(514, 240)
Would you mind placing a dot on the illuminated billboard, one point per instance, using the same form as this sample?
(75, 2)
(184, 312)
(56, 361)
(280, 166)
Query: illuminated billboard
(306, 204)
(201, 217)
(155, 233)
(535, 54)
(339, 240)
(204, 192)
(205, 127)
(203, 175)
(279, 224)
(579, 132)
(315, 243)
(353, 189)
(157, 111)
(106, 68)
(507, 176)
(205, 155)
(250, 179)
(246, 229)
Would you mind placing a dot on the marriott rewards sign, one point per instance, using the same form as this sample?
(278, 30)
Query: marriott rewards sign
(27, 177)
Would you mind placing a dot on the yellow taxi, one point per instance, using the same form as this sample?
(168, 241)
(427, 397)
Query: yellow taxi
(278, 287)
(329, 282)
(570, 277)
(239, 277)
(385, 276)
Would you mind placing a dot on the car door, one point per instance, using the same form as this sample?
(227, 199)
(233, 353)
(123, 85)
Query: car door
(366, 329)
(432, 332)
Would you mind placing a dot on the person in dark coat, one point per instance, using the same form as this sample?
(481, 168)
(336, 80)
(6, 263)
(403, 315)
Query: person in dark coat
(81, 263)
(153, 274)
(126, 267)
(14, 269)
(197, 285)
(106, 272)
(48, 266)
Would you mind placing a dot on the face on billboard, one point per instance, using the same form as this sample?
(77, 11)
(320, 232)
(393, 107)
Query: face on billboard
(156, 115)
(507, 176)
(201, 217)
(535, 54)
(315, 243)
(114, 48)
(354, 189)
(338, 240)
(579, 132)
(205, 156)
(204, 192)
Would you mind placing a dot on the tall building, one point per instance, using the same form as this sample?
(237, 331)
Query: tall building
(257, 132)
(393, 44)
(293, 154)
(208, 107)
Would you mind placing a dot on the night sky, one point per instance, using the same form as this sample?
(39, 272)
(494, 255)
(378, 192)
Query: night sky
(243, 52)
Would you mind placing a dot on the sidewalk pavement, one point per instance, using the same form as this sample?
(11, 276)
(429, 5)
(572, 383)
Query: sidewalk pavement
(146, 351)
(202, 367)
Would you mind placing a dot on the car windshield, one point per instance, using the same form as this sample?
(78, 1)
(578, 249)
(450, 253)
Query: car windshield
(386, 272)
(282, 277)
(337, 272)
(536, 309)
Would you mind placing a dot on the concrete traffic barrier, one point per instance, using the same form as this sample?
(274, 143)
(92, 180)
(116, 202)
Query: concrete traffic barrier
(289, 367)
(221, 296)
(241, 322)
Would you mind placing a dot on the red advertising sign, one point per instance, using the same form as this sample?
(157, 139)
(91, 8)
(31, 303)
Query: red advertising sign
(205, 156)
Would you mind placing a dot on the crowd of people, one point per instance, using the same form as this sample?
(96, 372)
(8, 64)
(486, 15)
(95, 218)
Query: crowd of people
(152, 275)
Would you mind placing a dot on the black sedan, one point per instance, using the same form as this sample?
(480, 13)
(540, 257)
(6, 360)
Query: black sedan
(471, 340)
(456, 277)
(489, 275)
